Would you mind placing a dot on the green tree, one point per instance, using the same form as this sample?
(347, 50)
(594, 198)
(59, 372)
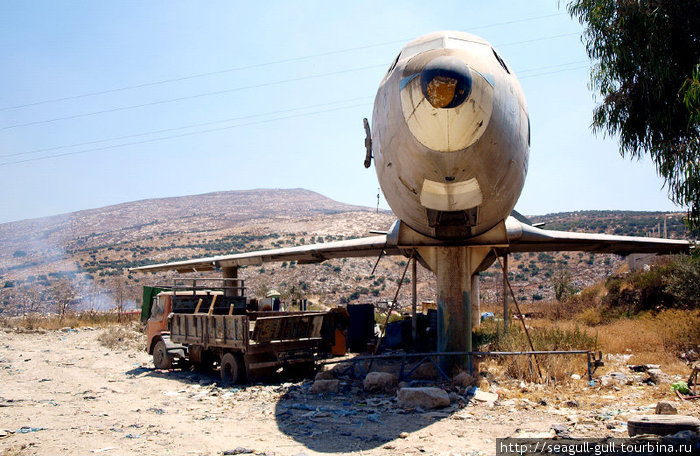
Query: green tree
(561, 283)
(646, 70)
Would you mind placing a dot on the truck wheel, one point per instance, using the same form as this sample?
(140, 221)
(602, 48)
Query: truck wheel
(161, 359)
(232, 370)
(661, 424)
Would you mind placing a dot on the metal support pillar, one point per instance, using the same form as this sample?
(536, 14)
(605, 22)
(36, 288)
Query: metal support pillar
(454, 282)
(414, 300)
(231, 272)
(505, 292)
(476, 302)
(454, 268)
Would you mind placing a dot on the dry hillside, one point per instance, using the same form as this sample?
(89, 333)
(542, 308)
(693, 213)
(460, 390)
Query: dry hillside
(92, 249)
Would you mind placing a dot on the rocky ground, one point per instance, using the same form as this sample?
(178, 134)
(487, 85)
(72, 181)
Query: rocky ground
(65, 392)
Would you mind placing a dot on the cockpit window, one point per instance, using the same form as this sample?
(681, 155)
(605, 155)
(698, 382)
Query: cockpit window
(422, 47)
(500, 60)
(393, 65)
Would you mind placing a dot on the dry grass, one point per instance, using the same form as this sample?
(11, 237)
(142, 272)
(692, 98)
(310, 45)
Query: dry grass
(123, 337)
(544, 336)
(656, 338)
(36, 321)
(666, 333)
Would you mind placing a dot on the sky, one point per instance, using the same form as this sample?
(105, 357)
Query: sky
(109, 102)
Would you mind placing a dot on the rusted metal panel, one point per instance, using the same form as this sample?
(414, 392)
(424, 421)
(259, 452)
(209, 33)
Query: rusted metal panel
(227, 331)
(290, 327)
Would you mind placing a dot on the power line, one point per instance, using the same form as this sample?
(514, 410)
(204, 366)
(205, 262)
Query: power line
(577, 62)
(554, 72)
(183, 127)
(236, 89)
(534, 40)
(190, 97)
(212, 130)
(256, 65)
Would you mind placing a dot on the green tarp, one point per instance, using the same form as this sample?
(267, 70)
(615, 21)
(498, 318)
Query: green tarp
(148, 294)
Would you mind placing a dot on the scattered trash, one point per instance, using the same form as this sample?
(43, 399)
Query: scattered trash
(374, 418)
(681, 387)
(132, 436)
(325, 386)
(157, 411)
(657, 376)
(562, 430)
(5, 433)
(486, 316)
(238, 450)
(27, 429)
(483, 396)
(101, 450)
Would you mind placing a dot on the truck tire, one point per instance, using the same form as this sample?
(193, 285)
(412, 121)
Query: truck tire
(661, 424)
(161, 359)
(232, 369)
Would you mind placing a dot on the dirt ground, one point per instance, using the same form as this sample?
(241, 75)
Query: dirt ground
(62, 392)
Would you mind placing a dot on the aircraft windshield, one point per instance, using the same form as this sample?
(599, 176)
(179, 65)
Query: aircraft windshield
(422, 47)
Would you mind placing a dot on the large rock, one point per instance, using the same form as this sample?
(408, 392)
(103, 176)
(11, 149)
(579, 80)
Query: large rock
(325, 375)
(665, 408)
(425, 398)
(657, 376)
(425, 371)
(380, 381)
(325, 386)
(464, 379)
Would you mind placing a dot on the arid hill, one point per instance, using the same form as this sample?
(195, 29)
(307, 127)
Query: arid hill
(93, 249)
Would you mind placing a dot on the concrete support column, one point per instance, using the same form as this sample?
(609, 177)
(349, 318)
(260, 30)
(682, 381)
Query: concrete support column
(230, 272)
(454, 281)
(476, 302)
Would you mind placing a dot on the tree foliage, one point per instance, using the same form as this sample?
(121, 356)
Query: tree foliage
(646, 69)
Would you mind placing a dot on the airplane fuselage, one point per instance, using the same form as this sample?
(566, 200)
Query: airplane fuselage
(450, 136)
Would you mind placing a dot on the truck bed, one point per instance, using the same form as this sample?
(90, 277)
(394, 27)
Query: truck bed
(241, 332)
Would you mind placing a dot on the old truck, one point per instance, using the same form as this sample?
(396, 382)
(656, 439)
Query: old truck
(198, 323)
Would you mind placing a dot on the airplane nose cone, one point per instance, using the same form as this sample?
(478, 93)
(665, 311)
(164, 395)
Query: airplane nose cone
(446, 82)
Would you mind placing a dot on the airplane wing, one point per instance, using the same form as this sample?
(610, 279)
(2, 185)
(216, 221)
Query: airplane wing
(526, 238)
(304, 254)
(521, 237)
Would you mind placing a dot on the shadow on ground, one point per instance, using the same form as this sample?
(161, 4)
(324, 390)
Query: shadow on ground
(332, 423)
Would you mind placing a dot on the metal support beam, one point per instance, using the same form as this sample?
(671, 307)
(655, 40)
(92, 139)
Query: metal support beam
(476, 302)
(230, 272)
(454, 268)
(505, 292)
(414, 300)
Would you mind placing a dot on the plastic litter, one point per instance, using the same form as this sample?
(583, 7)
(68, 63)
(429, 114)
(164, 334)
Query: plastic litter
(681, 387)
(27, 429)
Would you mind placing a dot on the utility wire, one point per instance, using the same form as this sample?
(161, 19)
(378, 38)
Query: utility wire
(232, 119)
(530, 70)
(183, 127)
(553, 72)
(256, 65)
(235, 89)
(190, 97)
(133, 143)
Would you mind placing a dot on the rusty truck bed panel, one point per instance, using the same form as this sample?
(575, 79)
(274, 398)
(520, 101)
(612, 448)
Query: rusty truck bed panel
(287, 327)
(229, 331)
